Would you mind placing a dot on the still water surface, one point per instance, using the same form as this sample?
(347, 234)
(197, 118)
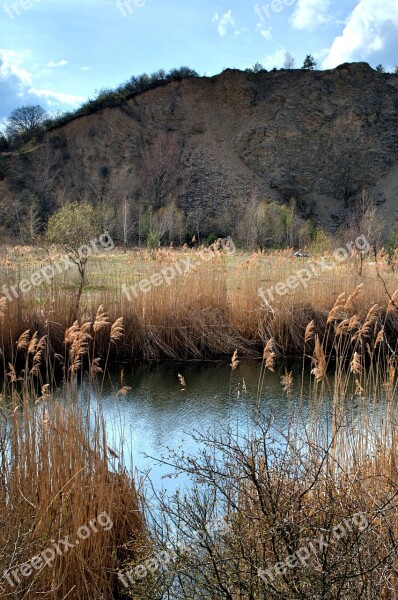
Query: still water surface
(156, 415)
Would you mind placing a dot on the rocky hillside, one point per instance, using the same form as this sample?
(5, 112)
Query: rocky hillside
(320, 137)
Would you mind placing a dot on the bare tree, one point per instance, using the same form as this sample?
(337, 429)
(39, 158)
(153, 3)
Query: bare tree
(45, 172)
(343, 148)
(126, 220)
(372, 228)
(138, 212)
(270, 499)
(25, 121)
(162, 172)
(29, 217)
(196, 218)
(289, 61)
(168, 220)
(366, 221)
(249, 223)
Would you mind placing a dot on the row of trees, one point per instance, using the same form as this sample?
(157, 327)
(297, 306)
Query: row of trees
(260, 224)
(289, 63)
(309, 64)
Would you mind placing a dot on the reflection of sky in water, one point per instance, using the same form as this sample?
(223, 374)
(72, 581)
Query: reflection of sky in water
(155, 415)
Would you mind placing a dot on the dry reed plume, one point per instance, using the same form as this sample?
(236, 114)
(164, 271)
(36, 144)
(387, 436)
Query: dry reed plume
(57, 471)
(212, 310)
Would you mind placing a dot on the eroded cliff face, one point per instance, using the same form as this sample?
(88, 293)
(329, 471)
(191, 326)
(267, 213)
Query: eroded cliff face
(318, 136)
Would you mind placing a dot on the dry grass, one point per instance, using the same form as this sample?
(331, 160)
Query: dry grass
(56, 476)
(210, 311)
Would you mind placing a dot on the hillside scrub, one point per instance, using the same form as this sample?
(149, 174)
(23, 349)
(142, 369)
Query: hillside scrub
(105, 98)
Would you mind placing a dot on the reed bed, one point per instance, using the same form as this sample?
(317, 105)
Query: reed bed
(209, 311)
(57, 472)
(57, 476)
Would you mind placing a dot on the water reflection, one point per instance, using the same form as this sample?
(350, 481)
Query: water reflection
(156, 415)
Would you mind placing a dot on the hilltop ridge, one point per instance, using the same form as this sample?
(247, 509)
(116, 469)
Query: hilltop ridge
(320, 137)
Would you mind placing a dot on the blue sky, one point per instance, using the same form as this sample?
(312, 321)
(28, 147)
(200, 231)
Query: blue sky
(59, 52)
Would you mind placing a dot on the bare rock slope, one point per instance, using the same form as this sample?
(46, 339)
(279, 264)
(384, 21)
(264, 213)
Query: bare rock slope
(318, 136)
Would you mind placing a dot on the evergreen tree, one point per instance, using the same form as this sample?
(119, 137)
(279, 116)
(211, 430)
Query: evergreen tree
(309, 63)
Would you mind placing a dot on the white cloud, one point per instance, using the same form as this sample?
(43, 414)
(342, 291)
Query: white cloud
(11, 66)
(53, 64)
(321, 55)
(224, 23)
(265, 32)
(85, 68)
(59, 96)
(17, 86)
(310, 14)
(370, 27)
(274, 60)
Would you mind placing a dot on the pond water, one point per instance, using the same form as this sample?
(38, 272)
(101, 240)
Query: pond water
(156, 415)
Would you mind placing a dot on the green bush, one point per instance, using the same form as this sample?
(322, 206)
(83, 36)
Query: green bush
(319, 241)
(152, 240)
(391, 245)
(211, 238)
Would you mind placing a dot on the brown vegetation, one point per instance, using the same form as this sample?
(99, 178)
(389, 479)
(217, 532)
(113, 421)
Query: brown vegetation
(58, 476)
(277, 491)
(211, 310)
